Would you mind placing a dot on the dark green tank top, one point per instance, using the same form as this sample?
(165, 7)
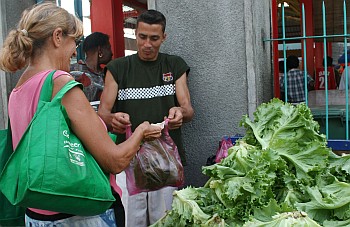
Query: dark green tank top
(146, 90)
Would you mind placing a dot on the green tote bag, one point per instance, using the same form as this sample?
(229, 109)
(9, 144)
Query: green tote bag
(10, 215)
(50, 168)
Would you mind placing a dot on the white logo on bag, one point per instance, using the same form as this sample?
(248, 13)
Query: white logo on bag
(76, 155)
(69, 144)
(65, 133)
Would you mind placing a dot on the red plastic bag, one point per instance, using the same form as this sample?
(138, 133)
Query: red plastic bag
(156, 165)
(221, 153)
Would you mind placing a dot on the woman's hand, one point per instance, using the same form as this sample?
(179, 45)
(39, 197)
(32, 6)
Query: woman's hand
(150, 132)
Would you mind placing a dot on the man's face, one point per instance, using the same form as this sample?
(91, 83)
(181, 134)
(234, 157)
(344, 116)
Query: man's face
(149, 38)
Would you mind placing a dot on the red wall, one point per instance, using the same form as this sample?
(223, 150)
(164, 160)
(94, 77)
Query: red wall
(107, 17)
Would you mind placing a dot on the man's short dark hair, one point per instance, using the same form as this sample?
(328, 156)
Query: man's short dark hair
(329, 61)
(292, 62)
(281, 66)
(152, 17)
(95, 40)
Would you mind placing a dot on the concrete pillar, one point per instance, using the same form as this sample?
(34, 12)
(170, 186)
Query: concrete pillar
(151, 4)
(10, 14)
(3, 87)
(222, 41)
(250, 63)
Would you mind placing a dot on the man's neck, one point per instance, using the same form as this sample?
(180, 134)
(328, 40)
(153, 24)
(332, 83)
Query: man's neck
(148, 60)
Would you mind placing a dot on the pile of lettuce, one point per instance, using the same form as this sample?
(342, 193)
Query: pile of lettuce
(281, 173)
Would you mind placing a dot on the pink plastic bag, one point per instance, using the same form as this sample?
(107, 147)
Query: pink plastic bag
(156, 165)
(221, 153)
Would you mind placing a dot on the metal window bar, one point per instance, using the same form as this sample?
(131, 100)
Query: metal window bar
(304, 49)
(325, 63)
(78, 8)
(335, 144)
(346, 72)
(79, 13)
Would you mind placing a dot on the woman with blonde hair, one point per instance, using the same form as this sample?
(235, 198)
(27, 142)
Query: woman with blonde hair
(45, 40)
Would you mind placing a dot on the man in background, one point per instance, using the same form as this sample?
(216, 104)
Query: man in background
(97, 49)
(296, 81)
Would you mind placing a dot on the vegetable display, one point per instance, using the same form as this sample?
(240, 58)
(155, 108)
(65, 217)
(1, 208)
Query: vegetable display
(281, 173)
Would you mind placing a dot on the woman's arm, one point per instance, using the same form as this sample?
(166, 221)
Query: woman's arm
(91, 131)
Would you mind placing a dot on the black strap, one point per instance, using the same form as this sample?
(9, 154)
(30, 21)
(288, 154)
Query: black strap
(43, 217)
(9, 133)
(117, 206)
(119, 211)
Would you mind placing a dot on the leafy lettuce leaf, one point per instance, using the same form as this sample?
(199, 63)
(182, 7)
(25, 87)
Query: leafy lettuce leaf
(281, 173)
(287, 219)
(328, 200)
(275, 121)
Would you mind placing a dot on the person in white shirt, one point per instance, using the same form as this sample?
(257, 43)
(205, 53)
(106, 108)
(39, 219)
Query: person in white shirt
(342, 83)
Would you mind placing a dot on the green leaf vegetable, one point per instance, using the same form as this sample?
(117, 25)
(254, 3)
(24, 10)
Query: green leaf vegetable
(281, 173)
(287, 219)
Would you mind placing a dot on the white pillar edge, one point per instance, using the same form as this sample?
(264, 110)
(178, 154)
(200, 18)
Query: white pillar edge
(3, 87)
(151, 4)
(250, 64)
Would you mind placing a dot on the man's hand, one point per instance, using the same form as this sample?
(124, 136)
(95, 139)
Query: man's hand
(175, 118)
(119, 122)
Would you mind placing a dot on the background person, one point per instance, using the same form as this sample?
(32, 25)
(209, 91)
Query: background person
(280, 76)
(329, 61)
(147, 86)
(45, 39)
(97, 49)
(295, 81)
(342, 83)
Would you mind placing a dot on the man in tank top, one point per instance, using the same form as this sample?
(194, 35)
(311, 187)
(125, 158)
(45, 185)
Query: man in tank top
(147, 86)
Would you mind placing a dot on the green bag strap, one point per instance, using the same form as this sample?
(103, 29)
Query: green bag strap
(9, 146)
(58, 97)
(46, 90)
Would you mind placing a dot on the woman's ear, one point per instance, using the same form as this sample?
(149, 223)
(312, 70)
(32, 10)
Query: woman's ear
(57, 37)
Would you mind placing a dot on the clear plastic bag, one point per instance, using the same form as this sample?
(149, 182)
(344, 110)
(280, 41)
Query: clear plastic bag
(156, 165)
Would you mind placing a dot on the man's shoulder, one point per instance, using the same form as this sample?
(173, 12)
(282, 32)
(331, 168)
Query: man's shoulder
(170, 56)
(295, 72)
(173, 60)
(121, 59)
(119, 63)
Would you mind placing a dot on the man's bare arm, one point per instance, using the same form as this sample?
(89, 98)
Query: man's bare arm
(116, 122)
(184, 112)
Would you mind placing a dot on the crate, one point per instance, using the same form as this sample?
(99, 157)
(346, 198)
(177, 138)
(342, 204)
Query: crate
(336, 121)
